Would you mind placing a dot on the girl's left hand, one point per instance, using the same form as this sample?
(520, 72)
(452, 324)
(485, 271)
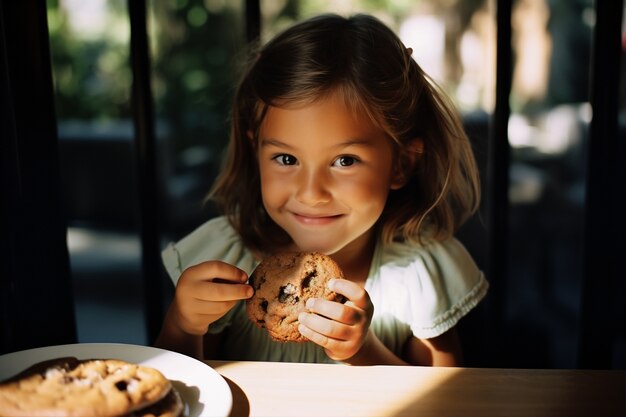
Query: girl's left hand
(341, 329)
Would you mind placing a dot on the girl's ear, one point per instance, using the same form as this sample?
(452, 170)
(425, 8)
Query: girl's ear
(409, 157)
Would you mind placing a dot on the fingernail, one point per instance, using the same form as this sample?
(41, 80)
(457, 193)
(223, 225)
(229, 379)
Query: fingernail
(331, 284)
(301, 317)
(310, 303)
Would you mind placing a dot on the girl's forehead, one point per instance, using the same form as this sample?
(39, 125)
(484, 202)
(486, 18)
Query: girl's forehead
(325, 114)
(340, 101)
(341, 110)
(322, 126)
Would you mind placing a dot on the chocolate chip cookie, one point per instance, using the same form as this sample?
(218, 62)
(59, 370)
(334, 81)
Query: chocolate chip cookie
(282, 284)
(95, 387)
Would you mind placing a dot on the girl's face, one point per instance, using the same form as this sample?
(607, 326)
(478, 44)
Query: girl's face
(325, 175)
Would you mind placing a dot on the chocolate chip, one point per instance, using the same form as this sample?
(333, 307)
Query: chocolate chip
(256, 281)
(287, 294)
(306, 282)
(121, 385)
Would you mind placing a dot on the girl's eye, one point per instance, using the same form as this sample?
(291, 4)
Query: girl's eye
(345, 161)
(285, 159)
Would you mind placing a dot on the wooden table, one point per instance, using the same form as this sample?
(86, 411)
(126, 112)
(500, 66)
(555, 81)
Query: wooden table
(291, 389)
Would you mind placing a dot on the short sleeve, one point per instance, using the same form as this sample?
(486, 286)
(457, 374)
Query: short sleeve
(428, 288)
(213, 240)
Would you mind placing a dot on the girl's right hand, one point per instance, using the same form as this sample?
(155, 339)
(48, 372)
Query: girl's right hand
(205, 292)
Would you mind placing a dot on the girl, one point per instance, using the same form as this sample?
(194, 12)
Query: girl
(339, 144)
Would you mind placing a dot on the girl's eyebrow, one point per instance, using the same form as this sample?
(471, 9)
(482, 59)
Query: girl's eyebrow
(275, 142)
(355, 142)
(349, 142)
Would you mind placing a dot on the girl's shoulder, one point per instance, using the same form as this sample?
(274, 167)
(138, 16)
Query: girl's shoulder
(214, 240)
(428, 286)
(433, 254)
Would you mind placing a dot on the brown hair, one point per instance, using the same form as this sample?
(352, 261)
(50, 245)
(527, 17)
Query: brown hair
(366, 63)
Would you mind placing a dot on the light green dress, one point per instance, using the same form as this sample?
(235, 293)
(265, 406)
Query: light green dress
(416, 290)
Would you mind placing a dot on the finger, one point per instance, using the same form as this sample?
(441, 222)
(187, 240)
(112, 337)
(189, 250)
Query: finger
(317, 338)
(324, 326)
(203, 308)
(335, 349)
(196, 315)
(217, 271)
(353, 292)
(211, 291)
(342, 313)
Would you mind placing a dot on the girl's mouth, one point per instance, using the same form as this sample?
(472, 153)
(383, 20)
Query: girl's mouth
(315, 220)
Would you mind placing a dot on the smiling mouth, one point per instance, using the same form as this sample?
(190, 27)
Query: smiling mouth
(315, 220)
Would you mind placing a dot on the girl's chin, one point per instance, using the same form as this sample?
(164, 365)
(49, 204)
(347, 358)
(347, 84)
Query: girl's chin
(325, 248)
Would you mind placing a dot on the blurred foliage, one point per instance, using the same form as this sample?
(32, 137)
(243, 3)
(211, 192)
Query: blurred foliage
(92, 76)
(193, 45)
(196, 45)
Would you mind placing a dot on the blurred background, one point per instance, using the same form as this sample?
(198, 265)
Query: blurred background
(195, 49)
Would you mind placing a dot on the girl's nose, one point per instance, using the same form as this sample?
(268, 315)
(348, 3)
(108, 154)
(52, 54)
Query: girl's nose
(313, 187)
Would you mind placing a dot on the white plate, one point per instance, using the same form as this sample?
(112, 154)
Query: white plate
(204, 391)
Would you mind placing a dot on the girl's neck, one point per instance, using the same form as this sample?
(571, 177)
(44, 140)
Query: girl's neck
(356, 258)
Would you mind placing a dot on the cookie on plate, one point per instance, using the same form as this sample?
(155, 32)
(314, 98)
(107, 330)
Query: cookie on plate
(282, 284)
(93, 387)
(171, 405)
